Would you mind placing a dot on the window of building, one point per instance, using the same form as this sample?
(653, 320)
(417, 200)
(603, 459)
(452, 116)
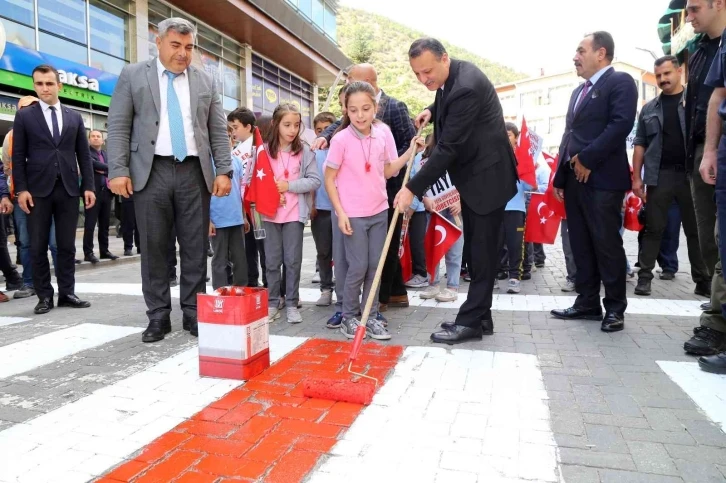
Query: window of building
(306, 8)
(19, 34)
(560, 95)
(109, 30)
(330, 26)
(319, 13)
(272, 86)
(530, 99)
(64, 18)
(19, 10)
(64, 49)
(557, 124)
(649, 92)
(107, 63)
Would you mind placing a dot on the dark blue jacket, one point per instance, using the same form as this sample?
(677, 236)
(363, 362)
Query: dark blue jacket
(597, 132)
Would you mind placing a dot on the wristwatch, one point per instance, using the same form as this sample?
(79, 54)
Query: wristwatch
(230, 174)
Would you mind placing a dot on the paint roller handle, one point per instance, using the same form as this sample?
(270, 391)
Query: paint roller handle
(360, 334)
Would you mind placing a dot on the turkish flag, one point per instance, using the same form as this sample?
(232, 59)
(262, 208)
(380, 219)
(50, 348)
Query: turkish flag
(525, 157)
(262, 190)
(542, 222)
(632, 206)
(440, 237)
(404, 254)
(553, 203)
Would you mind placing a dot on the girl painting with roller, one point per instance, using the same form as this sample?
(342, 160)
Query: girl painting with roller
(361, 158)
(296, 175)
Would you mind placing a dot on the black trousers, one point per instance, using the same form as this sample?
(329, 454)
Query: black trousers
(594, 221)
(229, 256)
(417, 234)
(6, 264)
(322, 228)
(511, 236)
(99, 213)
(392, 277)
(255, 251)
(64, 208)
(175, 197)
(129, 230)
(672, 185)
(481, 233)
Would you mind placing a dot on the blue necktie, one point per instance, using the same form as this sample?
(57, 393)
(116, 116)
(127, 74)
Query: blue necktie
(176, 121)
(54, 121)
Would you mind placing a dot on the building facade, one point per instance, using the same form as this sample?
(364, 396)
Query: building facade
(260, 52)
(543, 101)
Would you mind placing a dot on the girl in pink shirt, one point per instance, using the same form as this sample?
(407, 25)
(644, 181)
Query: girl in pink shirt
(296, 174)
(362, 156)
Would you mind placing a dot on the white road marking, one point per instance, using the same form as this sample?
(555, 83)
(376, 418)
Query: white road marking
(706, 389)
(451, 416)
(86, 438)
(504, 302)
(12, 320)
(44, 349)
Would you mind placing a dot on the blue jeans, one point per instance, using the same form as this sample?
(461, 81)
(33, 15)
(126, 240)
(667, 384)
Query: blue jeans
(21, 225)
(668, 256)
(452, 257)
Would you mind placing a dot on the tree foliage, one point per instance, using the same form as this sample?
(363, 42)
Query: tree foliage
(367, 37)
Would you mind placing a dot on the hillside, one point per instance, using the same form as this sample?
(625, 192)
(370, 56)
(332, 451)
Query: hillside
(365, 36)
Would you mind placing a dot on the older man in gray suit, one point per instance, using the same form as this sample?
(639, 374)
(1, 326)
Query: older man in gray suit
(166, 127)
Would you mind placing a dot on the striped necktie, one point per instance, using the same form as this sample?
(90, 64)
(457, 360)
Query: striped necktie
(176, 121)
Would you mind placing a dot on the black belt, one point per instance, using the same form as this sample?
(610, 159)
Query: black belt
(676, 167)
(173, 159)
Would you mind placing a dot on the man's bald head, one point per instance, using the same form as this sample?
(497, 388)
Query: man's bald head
(364, 73)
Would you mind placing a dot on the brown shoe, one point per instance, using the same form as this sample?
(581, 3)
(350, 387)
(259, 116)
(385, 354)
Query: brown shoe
(382, 307)
(3, 298)
(398, 301)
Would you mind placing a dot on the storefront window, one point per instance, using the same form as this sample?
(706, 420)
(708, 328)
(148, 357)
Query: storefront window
(107, 63)
(50, 44)
(65, 18)
(231, 80)
(19, 34)
(272, 86)
(109, 30)
(211, 64)
(20, 10)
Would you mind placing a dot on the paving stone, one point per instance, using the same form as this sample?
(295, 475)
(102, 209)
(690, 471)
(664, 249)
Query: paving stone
(704, 454)
(595, 459)
(695, 472)
(606, 439)
(17, 414)
(652, 458)
(706, 432)
(662, 419)
(614, 476)
(623, 405)
(665, 437)
(619, 421)
(579, 474)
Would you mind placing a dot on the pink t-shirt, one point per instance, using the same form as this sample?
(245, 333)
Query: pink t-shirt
(362, 191)
(289, 162)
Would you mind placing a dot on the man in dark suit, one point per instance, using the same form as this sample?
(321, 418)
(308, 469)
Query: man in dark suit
(49, 147)
(395, 114)
(473, 146)
(166, 129)
(101, 211)
(593, 176)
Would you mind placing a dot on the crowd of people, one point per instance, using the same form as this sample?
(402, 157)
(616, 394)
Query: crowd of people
(181, 167)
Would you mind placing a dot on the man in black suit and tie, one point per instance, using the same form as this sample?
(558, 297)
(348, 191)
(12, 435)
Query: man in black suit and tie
(101, 211)
(473, 146)
(49, 147)
(592, 178)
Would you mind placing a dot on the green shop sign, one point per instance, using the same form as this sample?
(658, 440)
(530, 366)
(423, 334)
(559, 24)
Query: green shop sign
(68, 92)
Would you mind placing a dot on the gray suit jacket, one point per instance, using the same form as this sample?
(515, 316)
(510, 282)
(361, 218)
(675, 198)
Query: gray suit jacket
(133, 124)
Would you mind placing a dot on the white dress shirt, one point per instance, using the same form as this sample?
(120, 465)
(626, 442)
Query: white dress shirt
(49, 120)
(163, 145)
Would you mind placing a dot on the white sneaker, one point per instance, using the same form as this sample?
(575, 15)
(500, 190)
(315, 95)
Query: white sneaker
(513, 286)
(447, 295)
(326, 299)
(273, 314)
(316, 277)
(417, 281)
(431, 292)
(293, 315)
(569, 286)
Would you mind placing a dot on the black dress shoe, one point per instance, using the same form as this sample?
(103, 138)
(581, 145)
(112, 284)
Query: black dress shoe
(190, 324)
(173, 281)
(715, 363)
(108, 256)
(705, 342)
(128, 253)
(527, 276)
(612, 322)
(667, 276)
(643, 287)
(156, 330)
(487, 326)
(703, 289)
(91, 258)
(44, 306)
(456, 335)
(574, 313)
(78, 262)
(72, 301)
(706, 306)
